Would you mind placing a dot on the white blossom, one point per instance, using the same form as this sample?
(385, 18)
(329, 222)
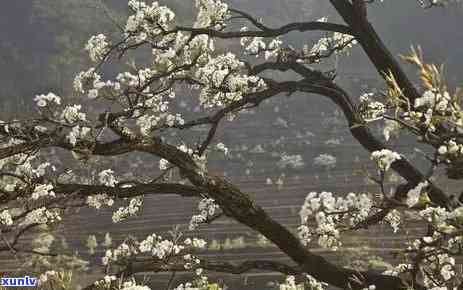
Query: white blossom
(5, 218)
(43, 190)
(106, 177)
(391, 128)
(122, 252)
(435, 100)
(211, 13)
(41, 215)
(77, 133)
(131, 209)
(222, 147)
(44, 100)
(451, 148)
(72, 114)
(336, 42)
(393, 219)
(207, 208)
(45, 277)
(224, 83)
(413, 195)
(106, 281)
(84, 80)
(384, 158)
(97, 47)
(328, 213)
(163, 164)
(98, 200)
(372, 110)
(314, 284)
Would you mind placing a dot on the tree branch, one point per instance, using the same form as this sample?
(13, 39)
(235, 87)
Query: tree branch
(221, 267)
(127, 192)
(269, 32)
(374, 47)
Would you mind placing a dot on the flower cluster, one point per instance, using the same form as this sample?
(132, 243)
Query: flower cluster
(148, 122)
(444, 221)
(311, 282)
(43, 190)
(433, 99)
(44, 100)
(158, 248)
(391, 128)
(121, 253)
(290, 284)
(223, 82)
(256, 45)
(414, 195)
(435, 116)
(106, 282)
(41, 215)
(337, 43)
(5, 218)
(371, 110)
(439, 267)
(72, 114)
(148, 20)
(314, 284)
(444, 239)
(211, 13)
(393, 219)
(97, 47)
(442, 263)
(89, 82)
(195, 243)
(163, 164)
(331, 214)
(78, 133)
(451, 149)
(47, 276)
(155, 111)
(132, 285)
(201, 283)
(207, 209)
(384, 158)
(27, 170)
(395, 271)
(221, 147)
(131, 209)
(106, 177)
(98, 200)
(85, 80)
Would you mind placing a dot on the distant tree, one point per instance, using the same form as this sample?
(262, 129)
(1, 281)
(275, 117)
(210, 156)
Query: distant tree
(141, 114)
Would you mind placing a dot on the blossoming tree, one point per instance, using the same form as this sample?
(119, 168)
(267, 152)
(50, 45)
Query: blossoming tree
(142, 112)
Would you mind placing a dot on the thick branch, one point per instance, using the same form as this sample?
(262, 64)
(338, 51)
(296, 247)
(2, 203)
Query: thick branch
(221, 267)
(363, 134)
(126, 192)
(374, 47)
(270, 32)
